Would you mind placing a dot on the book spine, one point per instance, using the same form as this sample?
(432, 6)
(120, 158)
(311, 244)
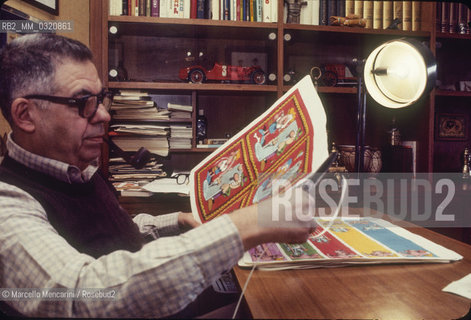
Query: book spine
(397, 11)
(238, 10)
(163, 9)
(259, 10)
(387, 14)
(113, 7)
(315, 12)
(227, 7)
(186, 8)
(453, 20)
(323, 13)
(378, 14)
(251, 9)
(215, 10)
(136, 8)
(445, 16)
(148, 8)
(341, 9)
(368, 13)
(132, 7)
(416, 15)
(170, 9)
(306, 13)
(200, 9)
(274, 10)
(232, 10)
(193, 9)
(155, 8)
(266, 10)
(407, 15)
(349, 7)
(331, 9)
(142, 8)
(358, 8)
(207, 9)
(125, 7)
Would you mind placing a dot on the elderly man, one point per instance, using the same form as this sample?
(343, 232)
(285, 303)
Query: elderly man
(60, 224)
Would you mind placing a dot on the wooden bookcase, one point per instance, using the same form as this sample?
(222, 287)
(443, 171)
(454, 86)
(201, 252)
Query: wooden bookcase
(154, 49)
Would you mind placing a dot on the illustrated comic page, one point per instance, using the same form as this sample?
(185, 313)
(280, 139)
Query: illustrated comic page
(285, 143)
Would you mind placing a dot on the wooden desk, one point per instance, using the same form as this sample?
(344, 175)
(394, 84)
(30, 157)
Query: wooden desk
(363, 292)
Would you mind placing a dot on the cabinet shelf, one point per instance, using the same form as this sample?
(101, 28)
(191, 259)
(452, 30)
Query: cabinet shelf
(192, 86)
(443, 35)
(195, 28)
(342, 90)
(356, 31)
(445, 93)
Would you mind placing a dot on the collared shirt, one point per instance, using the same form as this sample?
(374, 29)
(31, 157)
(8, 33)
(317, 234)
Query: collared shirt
(157, 281)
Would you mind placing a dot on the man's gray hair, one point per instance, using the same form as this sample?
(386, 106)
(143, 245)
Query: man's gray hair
(28, 65)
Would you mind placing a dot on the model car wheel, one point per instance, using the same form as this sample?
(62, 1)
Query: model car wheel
(196, 76)
(329, 79)
(258, 77)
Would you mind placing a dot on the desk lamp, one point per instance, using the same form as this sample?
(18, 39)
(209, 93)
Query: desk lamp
(396, 74)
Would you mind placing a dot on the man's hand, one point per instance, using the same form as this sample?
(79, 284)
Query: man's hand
(257, 225)
(186, 221)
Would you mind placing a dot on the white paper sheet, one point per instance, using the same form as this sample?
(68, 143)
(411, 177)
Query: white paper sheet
(167, 185)
(460, 287)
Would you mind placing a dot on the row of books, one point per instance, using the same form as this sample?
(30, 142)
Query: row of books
(453, 17)
(376, 14)
(236, 10)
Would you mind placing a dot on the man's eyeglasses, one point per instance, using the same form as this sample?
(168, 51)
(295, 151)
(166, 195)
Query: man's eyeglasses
(87, 105)
(182, 178)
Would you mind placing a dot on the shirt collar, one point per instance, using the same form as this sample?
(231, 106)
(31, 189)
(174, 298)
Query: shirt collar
(57, 169)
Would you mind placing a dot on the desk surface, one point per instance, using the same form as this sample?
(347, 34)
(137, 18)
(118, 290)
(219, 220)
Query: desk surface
(366, 292)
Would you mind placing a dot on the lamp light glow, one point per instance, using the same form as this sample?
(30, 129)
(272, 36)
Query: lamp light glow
(399, 72)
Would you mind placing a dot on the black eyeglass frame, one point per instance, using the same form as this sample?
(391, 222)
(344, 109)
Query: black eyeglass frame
(182, 178)
(80, 103)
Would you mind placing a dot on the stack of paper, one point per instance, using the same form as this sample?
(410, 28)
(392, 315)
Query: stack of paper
(350, 241)
(180, 136)
(179, 111)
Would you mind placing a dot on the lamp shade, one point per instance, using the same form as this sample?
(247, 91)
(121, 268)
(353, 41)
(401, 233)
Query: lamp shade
(399, 72)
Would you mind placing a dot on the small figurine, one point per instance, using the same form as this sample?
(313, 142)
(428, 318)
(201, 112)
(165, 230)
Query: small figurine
(350, 20)
(395, 24)
(465, 170)
(294, 10)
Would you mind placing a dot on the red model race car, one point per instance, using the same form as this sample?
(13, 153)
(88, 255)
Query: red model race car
(220, 72)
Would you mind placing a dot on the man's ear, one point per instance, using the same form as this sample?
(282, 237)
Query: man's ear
(21, 114)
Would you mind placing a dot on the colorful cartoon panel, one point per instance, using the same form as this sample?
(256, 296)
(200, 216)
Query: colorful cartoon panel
(330, 246)
(275, 135)
(238, 201)
(390, 239)
(222, 179)
(291, 169)
(266, 252)
(300, 251)
(357, 240)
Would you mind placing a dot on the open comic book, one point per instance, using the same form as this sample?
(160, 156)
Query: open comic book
(288, 141)
(350, 241)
